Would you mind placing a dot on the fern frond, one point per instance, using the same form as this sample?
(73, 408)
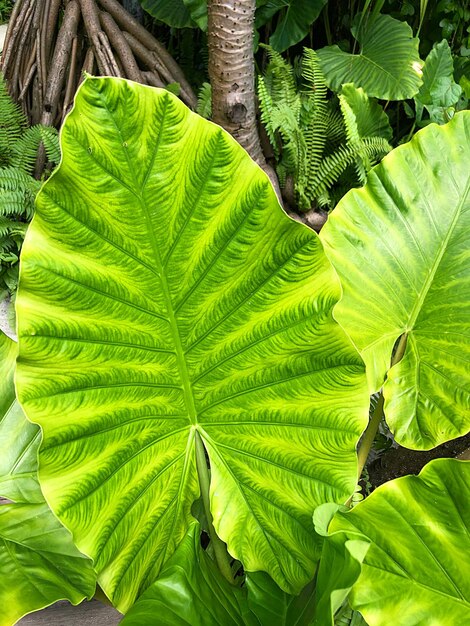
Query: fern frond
(50, 139)
(25, 151)
(13, 178)
(314, 79)
(267, 111)
(331, 169)
(335, 130)
(204, 101)
(279, 78)
(12, 123)
(370, 151)
(316, 130)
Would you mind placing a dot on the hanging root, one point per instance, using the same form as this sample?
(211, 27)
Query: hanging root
(51, 43)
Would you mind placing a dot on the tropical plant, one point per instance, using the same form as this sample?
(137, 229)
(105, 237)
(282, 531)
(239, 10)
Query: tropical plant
(178, 348)
(19, 145)
(439, 95)
(315, 142)
(6, 7)
(387, 65)
(39, 562)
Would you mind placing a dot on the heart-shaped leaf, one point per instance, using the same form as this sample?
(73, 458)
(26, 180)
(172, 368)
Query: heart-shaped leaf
(387, 65)
(164, 292)
(415, 571)
(400, 247)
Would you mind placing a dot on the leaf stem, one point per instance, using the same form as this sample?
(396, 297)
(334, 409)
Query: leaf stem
(222, 556)
(372, 427)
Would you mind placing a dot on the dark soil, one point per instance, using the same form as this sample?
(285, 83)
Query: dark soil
(400, 461)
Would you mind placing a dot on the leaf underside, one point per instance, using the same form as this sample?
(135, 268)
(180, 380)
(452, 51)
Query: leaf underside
(164, 291)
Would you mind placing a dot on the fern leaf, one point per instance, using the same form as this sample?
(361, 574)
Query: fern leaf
(204, 101)
(12, 123)
(50, 139)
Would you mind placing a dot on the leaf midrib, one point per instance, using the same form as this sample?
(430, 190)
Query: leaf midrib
(435, 266)
(180, 356)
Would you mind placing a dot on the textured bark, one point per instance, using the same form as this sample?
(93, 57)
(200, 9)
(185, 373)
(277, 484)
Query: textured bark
(230, 35)
(231, 71)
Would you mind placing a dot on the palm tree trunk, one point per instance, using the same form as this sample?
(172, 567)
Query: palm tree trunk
(230, 35)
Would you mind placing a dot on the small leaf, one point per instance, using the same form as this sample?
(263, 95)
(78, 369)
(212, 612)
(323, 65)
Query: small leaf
(439, 88)
(294, 21)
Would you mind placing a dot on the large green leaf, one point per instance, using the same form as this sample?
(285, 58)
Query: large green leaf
(400, 247)
(387, 65)
(164, 292)
(38, 562)
(198, 11)
(416, 571)
(173, 12)
(293, 22)
(191, 591)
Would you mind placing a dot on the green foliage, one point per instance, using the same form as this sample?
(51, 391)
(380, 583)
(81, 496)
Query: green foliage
(180, 304)
(415, 571)
(314, 142)
(189, 584)
(6, 7)
(173, 12)
(387, 65)
(204, 101)
(18, 151)
(169, 310)
(293, 19)
(408, 225)
(38, 562)
(439, 94)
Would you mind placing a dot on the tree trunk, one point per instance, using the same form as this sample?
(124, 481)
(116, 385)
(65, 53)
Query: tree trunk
(230, 35)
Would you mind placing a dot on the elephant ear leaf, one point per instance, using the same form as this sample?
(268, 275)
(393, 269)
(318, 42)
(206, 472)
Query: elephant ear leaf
(165, 299)
(38, 562)
(387, 65)
(400, 247)
(415, 570)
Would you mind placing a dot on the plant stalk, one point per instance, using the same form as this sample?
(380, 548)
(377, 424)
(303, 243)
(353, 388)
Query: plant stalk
(372, 427)
(222, 557)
